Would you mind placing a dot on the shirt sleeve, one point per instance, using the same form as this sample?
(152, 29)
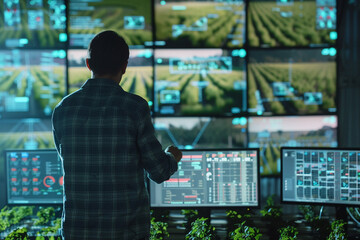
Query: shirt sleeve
(160, 165)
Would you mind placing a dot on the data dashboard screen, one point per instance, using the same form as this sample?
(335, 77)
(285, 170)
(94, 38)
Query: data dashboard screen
(32, 24)
(206, 23)
(292, 23)
(211, 178)
(195, 82)
(32, 82)
(33, 177)
(323, 176)
(131, 19)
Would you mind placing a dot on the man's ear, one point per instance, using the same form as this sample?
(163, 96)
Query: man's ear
(87, 63)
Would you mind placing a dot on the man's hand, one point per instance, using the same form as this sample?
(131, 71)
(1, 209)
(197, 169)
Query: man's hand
(174, 151)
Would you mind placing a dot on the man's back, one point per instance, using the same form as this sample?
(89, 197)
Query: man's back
(106, 140)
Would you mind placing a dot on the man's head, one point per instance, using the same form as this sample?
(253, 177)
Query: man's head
(108, 54)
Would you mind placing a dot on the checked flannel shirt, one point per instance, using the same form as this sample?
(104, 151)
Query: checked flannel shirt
(106, 140)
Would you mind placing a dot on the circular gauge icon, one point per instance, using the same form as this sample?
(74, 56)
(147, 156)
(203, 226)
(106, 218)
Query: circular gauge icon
(49, 181)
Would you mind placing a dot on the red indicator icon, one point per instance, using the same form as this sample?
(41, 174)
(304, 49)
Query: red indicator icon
(35, 179)
(61, 181)
(35, 189)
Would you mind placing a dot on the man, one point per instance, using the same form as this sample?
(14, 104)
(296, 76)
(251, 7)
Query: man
(106, 140)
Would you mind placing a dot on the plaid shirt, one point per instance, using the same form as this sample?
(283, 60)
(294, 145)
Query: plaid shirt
(106, 140)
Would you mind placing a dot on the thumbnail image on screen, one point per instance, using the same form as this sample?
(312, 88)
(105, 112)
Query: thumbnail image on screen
(200, 82)
(32, 82)
(131, 19)
(289, 23)
(138, 78)
(208, 23)
(201, 132)
(34, 177)
(324, 176)
(271, 133)
(211, 178)
(32, 24)
(292, 82)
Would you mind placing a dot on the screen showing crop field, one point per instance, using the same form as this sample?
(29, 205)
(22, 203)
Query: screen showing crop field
(34, 177)
(201, 132)
(200, 82)
(32, 24)
(271, 133)
(131, 19)
(138, 78)
(321, 175)
(292, 82)
(290, 23)
(208, 23)
(32, 82)
(211, 178)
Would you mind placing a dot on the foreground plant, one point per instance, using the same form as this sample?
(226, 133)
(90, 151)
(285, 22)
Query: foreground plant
(158, 230)
(201, 230)
(244, 232)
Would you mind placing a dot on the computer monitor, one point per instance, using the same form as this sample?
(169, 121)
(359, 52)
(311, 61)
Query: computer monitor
(291, 23)
(32, 82)
(33, 24)
(206, 23)
(131, 19)
(200, 82)
(211, 178)
(292, 81)
(33, 177)
(320, 176)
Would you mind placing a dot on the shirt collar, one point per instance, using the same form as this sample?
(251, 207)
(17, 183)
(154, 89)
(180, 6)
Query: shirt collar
(100, 82)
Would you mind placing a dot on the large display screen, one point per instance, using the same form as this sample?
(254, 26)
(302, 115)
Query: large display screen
(138, 78)
(292, 82)
(33, 177)
(201, 132)
(207, 23)
(200, 82)
(33, 24)
(32, 82)
(291, 23)
(321, 175)
(271, 133)
(211, 178)
(131, 19)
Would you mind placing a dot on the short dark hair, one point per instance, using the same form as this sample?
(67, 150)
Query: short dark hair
(107, 53)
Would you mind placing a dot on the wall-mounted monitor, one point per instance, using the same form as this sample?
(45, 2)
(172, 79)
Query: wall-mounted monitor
(201, 132)
(208, 23)
(33, 24)
(292, 23)
(271, 133)
(320, 176)
(33, 177)
(32, 82)
(211, 178)
(292, 82)
(131, 19)
(138, 78)
(200, 82)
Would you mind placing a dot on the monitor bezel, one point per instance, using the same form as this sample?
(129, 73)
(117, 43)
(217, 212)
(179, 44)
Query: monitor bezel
(316, 203)
(7, 177)
(235, 207)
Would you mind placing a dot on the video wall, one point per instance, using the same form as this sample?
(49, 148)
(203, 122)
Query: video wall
(216, 73)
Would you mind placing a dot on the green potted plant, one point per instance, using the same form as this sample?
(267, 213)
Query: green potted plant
(338, 231)
(236, 217)
(18, 234)
(273, 216)
(244, 232)
(190, 216)
(158, 230)
(201, 230)
(320, 226)
(44, 215)
(288, 233)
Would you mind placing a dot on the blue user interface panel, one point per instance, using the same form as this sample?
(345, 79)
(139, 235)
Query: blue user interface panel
(200, 82)
(323, 176)
(211, 178)
(33, 24)
(34, 177)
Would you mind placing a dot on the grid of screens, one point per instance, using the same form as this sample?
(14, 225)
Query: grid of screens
(209, 178)
(33, 177)
(316, 175)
